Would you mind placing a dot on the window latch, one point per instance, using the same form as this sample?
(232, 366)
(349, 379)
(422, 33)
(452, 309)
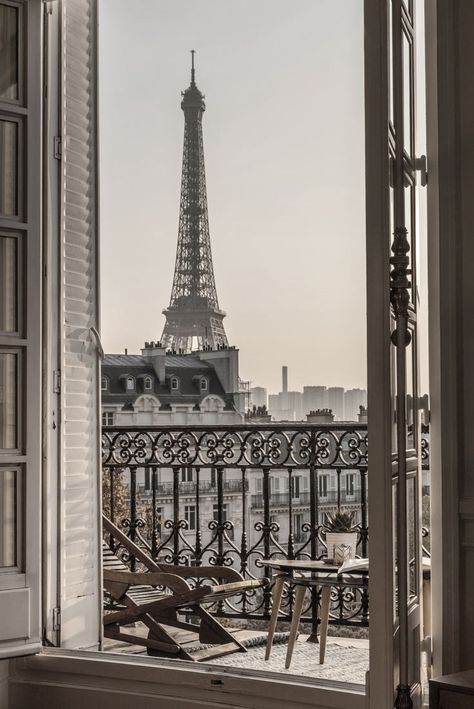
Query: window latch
(420, 165)
(56, 619)
(58, 147)
(57, 381)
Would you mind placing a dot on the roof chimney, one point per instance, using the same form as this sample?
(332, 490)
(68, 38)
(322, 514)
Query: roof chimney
(154, 354)
(284, 374)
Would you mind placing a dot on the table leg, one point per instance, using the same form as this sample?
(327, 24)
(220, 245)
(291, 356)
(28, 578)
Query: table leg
(276, 601)
(299, 598)
(325, 603)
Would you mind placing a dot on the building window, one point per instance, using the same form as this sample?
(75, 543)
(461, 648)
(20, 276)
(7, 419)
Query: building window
(186, 475)
(174, 383)
(130, 383)
(190, 516)
(323, 485)
(350, 484)
(148, 384)
(107, 418)
(204, 384)
(104, 383)
(297, 527)
(296, 486)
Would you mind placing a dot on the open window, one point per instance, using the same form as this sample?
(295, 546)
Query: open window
(72, 349)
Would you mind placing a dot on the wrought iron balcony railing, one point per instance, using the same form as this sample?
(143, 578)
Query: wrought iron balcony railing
(241, 530)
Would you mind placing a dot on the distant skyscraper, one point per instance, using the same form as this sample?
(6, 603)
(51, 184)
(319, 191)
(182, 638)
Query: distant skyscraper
(336, 402)
(353, 399)
(193, 318)
(287, 405)
(258, 396)
(314, 398)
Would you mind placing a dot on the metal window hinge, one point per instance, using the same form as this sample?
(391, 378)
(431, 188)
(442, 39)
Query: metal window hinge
(420, 165)
(424, 407)
(58, 147)
(56, 618)
(57, 381)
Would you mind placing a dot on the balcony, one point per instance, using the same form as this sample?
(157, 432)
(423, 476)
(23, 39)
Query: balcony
(241, 530)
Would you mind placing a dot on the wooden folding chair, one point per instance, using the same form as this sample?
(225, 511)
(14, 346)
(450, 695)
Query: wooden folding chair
(159, 596)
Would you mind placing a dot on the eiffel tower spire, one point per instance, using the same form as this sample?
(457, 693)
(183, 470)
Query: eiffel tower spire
(193, 318)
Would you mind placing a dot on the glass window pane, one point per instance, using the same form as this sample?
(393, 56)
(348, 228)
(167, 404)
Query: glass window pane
(8, 517)
(8, 52)
(8, 401)
(8, 168)
(8, 284)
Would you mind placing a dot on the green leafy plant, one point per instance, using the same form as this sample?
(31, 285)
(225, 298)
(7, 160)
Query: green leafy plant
(339, 522)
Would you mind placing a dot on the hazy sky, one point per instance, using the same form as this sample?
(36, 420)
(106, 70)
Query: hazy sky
(284, 150)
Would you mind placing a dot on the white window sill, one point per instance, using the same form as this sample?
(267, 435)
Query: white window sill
(176, 681)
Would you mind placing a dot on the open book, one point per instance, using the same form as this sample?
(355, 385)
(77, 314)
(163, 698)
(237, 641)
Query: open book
(353, 565)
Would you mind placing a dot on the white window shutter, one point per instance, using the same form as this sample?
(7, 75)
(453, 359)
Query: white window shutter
(80, 597)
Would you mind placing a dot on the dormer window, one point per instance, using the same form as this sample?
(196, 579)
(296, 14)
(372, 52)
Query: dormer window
(130, 383)
(148, 385)
(204, 385)
(104, 383)
(174, 383)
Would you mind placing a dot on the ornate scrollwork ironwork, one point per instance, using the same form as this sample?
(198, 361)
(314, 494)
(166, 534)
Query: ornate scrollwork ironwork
(249, 449)
(400, 285)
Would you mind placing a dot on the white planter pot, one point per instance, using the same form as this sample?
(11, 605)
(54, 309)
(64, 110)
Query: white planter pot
(337, 539)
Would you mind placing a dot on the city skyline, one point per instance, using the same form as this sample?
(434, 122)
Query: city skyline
(285, 184)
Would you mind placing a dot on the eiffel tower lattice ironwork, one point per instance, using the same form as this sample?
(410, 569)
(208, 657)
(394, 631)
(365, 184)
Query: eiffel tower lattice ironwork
(193, 318)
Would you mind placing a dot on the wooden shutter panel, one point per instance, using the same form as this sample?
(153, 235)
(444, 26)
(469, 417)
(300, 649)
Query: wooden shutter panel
(79, 498)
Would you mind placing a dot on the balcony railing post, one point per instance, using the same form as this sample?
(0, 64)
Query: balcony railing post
(154, 538)
(266, 534)
(291, 551)
(133, 510)
(198, 540)
(364, 530)
(112, 504)
(313, 520)
(220, 516)
(176, 470)
(338, 482)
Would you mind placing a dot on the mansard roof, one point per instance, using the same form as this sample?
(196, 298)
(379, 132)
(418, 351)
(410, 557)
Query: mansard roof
(186, 368)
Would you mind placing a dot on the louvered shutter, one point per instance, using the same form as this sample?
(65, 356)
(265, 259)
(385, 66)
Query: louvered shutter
(79, 496)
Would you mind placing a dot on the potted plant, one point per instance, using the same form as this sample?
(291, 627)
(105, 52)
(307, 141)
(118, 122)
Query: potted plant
(341, 538)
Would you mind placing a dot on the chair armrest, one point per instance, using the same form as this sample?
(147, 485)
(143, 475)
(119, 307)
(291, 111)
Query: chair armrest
(203, 572)
(150, 578)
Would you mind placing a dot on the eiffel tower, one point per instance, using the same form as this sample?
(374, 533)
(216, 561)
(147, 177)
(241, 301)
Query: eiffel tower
(193, 318)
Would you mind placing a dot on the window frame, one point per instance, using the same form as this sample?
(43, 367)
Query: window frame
(323, 485)
(190, 517)
(23, 604)
(105, 416)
